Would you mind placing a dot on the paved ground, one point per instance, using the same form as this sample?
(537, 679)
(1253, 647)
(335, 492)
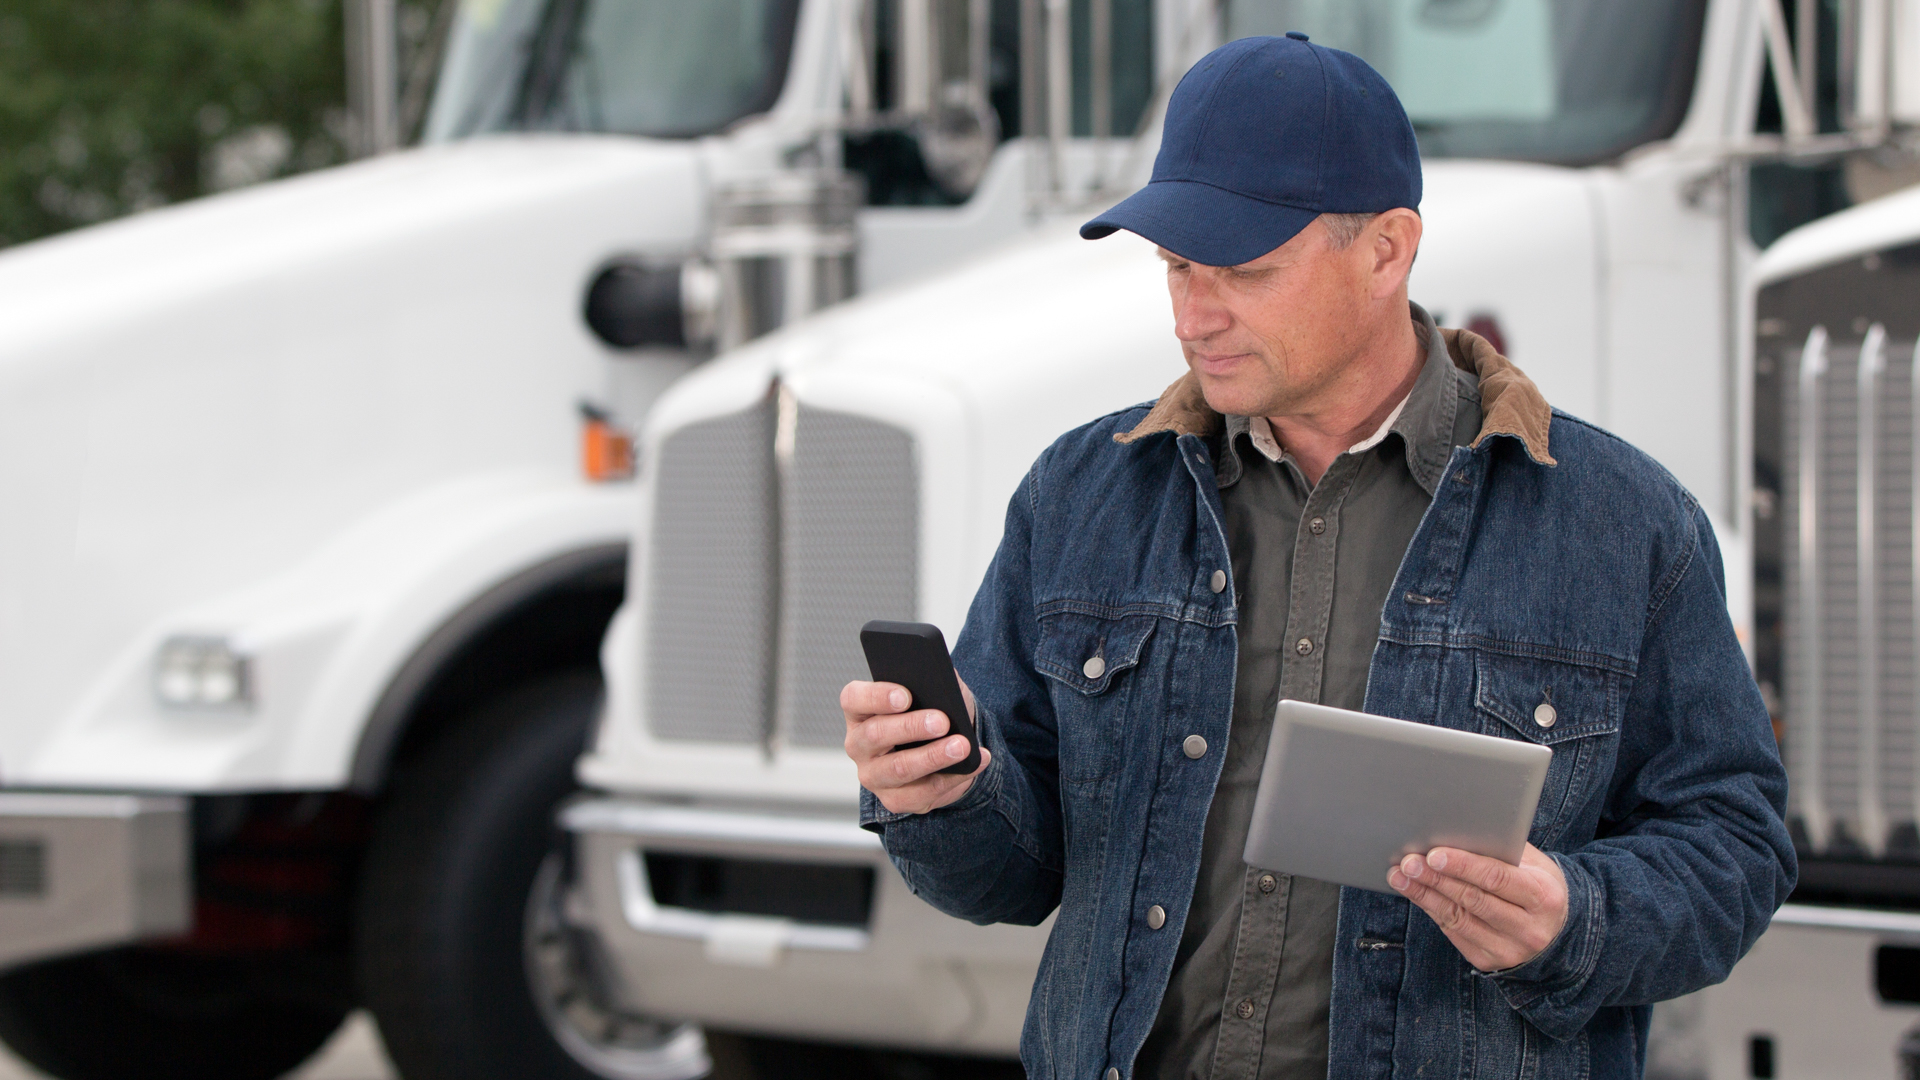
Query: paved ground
(355, 1054)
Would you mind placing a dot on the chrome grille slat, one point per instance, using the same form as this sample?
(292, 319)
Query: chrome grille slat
(1852, 627)
(1868, 636)
(712, 581)
(1803, 594)
(849, 536)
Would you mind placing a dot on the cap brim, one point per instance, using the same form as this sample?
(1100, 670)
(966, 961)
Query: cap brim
(1203, 223)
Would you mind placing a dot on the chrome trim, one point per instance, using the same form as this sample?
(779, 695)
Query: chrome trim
(1834, 918)
(685, 823)
(92, 870)
(1806, 717)
(1872, 364)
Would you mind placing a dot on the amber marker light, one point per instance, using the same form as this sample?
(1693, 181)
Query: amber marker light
(606, 449)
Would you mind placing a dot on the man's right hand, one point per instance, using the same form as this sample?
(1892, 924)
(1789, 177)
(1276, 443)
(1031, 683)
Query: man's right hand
(906, 781)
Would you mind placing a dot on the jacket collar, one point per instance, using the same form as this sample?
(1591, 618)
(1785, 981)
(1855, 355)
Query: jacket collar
(1509, 402)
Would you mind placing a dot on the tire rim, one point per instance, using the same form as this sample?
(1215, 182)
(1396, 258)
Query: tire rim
(567, 980)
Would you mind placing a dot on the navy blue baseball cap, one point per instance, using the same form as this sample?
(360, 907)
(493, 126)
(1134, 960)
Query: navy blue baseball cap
(1263, 135)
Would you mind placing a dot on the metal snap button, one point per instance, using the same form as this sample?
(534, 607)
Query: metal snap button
(1244, 1010)
(1219, 581)
(1194, 747)
(1268, 883)
(1156, 917)
(1094, 667)
(1544, 715)
(1304, 646)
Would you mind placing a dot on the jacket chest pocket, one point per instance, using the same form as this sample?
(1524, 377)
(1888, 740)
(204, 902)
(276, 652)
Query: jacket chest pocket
(1572, 708)
(1089, 658)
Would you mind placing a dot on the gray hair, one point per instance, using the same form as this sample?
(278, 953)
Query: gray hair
(1344, 229)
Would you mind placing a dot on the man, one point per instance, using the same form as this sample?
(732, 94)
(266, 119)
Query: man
(1339, 503)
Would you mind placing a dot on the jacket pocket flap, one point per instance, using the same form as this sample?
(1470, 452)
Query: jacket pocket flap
(1546, 701)
(1086, 651)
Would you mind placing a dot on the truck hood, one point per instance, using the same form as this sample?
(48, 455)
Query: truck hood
(195, 399)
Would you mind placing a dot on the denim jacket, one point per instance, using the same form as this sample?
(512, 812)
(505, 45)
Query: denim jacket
(1587, 578)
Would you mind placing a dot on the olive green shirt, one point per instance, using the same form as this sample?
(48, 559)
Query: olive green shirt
(1312, 566)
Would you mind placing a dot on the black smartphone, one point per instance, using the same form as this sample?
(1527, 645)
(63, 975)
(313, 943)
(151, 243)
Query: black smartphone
(914, 655)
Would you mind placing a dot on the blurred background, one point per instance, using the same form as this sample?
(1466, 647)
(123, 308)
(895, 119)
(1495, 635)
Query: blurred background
(109, 107)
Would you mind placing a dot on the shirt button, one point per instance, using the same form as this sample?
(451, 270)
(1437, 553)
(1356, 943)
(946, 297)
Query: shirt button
(1194, 747)
(1268, 883)
(1317, 526)
(1219, 581)
(1304, 646)
(1245, 1009)
(1113, 1074)
(1094, 667)
(1156, 917)
(1544, 715)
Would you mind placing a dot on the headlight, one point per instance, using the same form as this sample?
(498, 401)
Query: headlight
(200, 671)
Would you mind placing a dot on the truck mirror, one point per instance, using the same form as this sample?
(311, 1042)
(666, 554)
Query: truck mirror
(631, 304)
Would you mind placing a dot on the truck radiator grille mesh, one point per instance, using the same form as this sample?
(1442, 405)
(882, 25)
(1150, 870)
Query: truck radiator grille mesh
(849, 513)
(776, 533)
(1848, 558)
(712, 581)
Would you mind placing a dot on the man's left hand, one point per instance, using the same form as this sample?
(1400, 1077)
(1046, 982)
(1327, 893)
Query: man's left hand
(1498, 915)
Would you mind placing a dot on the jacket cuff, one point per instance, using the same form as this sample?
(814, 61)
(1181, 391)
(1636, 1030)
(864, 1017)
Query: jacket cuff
(1545, 989)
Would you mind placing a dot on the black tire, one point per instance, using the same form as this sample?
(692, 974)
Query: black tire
(162, 1015)
(462, 871)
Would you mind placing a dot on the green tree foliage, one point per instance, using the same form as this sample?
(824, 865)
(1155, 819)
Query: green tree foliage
(113, 106)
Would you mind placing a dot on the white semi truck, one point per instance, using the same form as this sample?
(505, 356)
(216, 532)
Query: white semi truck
(1600, 178)
(315, 510)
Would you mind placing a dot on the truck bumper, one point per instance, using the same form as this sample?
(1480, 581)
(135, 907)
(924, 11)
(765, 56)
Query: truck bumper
(799, 958)
(84, 871)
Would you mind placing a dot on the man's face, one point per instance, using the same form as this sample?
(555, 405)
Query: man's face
(1272, 337)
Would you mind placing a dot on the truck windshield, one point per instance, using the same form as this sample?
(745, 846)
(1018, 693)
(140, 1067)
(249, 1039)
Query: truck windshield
(1563, 81)
(665, 68)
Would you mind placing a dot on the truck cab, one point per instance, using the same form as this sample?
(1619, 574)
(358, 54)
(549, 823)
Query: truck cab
(1599, 181)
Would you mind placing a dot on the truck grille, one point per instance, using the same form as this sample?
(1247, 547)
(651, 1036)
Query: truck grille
(1844, 436)
(777, 532)
(849, 509)
(712, 582)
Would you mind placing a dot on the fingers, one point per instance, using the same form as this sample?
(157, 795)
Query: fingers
(930, 791)
(863, 699)
(906, 781)
(904, 767)
(877, 735)
(1498, 915)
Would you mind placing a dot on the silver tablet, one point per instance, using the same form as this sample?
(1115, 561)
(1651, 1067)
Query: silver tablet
(1345, 795)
